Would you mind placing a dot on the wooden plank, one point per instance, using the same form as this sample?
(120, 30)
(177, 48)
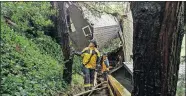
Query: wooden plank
(80, 94)
(118, 88)
(110, 91)
(96, 87)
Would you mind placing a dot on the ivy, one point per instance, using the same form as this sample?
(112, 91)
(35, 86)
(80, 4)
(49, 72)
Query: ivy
(31, 63)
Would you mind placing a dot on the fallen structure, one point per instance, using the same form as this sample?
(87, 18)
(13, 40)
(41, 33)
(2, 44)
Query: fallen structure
(86, 26)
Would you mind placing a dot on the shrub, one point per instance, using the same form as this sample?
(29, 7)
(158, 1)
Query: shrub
(31, 63)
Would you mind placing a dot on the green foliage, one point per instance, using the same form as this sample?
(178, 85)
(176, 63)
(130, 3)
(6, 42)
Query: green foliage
(31, 17)
(52, 49)
(98, 8)
(181, 86)
(112, 45)
(76, 86)
(77, 79)
(77, 64)
(30, 65)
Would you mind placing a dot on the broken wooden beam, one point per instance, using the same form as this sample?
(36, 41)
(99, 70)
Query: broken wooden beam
(96, 87)
(9, 21)
(90, 91)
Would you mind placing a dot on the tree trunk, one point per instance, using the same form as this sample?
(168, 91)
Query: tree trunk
(158, 34)
(62, 36)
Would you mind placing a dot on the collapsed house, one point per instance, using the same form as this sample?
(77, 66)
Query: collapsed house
(86, 26)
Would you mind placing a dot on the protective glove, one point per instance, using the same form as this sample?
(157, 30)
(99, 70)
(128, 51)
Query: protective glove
(78, 53)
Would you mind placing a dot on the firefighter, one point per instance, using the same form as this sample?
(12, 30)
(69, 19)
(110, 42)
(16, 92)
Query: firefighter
(91, 57)
(104, 66)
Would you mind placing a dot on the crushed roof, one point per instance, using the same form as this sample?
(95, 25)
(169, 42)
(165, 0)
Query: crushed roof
(99, 21)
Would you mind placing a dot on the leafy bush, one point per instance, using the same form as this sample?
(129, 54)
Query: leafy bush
(32, 16)
(77, 64)
(181, 85)
(31, 64)
(112, 45)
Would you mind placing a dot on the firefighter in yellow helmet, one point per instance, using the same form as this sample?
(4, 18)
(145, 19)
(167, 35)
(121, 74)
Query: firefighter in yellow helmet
(104, 65)
(91, 57)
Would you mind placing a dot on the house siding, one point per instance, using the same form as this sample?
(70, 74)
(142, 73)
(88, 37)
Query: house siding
(79, 41)
(105, 34)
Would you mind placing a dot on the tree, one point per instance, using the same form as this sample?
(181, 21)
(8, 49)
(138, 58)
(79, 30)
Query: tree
(158, 34)
(62, 35)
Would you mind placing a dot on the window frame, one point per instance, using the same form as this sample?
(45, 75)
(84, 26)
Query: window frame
(84, 30)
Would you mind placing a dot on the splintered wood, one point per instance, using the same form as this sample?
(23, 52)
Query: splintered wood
(95, 88)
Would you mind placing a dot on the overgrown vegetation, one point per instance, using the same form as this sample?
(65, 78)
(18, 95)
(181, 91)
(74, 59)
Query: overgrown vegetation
(181, 78)
(31, 61)
(114, 44)
(181, 85)
(104, 7)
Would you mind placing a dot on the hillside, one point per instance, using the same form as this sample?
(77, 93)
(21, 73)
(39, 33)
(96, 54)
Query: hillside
(31, 60)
